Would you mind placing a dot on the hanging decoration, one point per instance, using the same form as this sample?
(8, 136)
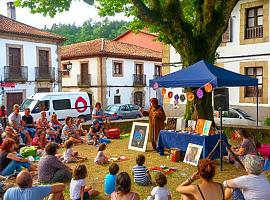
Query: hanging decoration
(199, 93)
(155, 86)
(176, 97)
(208, 87)
(170, 94)
(190, 96)
(163, 91)
(182, 97)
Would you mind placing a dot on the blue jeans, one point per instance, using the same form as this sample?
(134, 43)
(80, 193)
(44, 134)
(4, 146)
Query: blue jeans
(14, 165)
(32, 131)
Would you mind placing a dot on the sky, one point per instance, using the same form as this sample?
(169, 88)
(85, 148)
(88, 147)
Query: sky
(39, 21)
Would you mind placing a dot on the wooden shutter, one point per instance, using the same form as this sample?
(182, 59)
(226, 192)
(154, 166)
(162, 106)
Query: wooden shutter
(14, 57)
(43, 59)
(227, 35)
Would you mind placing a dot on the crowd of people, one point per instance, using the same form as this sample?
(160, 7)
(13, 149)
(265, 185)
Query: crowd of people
(48, 136)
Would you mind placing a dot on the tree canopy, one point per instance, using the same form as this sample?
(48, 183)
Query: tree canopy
(89, 30)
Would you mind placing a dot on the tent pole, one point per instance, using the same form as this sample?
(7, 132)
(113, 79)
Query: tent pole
(257, 105)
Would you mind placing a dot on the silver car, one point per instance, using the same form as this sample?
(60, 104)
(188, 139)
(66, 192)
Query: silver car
(123, 111)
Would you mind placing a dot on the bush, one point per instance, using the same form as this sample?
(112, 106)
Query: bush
(267, 121)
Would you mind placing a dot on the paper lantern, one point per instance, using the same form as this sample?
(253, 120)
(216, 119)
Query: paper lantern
(163, 91)
(176, 97)
(190, 96)
(170, 94)
(155, 86)
(199, 93)
(208, 87)
(182, 97)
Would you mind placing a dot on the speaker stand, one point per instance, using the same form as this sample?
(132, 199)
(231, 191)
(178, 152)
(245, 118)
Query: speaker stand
(221, 143)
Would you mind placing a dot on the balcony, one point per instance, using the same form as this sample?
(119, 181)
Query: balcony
(84, 80)
(139, 80)
(15, 73)
(254, 32)
(45, 74)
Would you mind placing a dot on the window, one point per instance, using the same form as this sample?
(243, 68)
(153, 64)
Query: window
(117, 99)
(43, 89)
(14, 57)
(256, 72)
(138, 98)
(42, 106)
(61, 104)
(157, 70)
(254, 23)
(64, 69)
(43, 58)
(134, 107)
(117, 68)
(233, 114)
(124, 108)
(139, 69)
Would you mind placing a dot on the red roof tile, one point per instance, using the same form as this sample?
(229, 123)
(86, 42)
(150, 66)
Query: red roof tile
(103, 47)
(10, 26)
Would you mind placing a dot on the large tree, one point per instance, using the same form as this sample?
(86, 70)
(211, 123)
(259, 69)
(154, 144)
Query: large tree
(193, 27)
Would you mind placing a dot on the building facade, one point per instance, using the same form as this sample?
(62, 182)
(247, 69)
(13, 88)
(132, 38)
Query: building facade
(29, 61)
(245, 49)
(111, 72)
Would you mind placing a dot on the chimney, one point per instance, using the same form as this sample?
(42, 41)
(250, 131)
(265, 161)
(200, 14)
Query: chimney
(11, 12)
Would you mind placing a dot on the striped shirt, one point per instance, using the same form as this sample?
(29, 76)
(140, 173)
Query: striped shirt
(139, 173)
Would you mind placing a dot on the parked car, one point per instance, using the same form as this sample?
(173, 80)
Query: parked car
(234, 116)
(123, 111)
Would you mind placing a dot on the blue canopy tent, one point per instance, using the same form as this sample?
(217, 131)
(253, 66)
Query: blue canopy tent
(201, 73)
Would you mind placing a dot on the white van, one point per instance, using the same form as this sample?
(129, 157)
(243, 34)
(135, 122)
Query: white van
(74, 104)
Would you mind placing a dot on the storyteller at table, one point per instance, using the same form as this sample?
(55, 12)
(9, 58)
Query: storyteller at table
(156, 121)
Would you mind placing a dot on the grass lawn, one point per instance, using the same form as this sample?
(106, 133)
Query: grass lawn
(97, 173)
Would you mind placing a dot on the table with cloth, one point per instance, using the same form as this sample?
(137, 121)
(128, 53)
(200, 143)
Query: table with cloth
(173, 139)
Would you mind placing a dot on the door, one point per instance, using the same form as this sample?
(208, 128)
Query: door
(138, 98)
(14, 63)
(84, 74)
(43, 64)
(13, 98)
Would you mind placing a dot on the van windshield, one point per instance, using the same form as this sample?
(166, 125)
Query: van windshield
(28, 103)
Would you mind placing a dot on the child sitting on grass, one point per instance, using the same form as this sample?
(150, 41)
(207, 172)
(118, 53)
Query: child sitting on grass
(140, 172)
(160, 192)
(71, 156)
(40, 140)
(78, 188)
(110, 179)
(101, 159)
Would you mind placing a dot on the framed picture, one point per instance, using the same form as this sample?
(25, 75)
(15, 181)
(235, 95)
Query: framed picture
(199, 126)
(193, 154)
(207, 126)
(139, 136)
(192, 125)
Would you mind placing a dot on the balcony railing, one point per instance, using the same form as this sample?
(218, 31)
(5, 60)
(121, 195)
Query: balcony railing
(139, 80)
(84, 80)
(254, 32)
(15, 73)
(45, 74)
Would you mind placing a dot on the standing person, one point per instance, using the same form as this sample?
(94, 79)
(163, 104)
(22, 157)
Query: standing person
(3, 116)
(156, 120)
(253, 186)
(78, 189)
(26, 190)
(51, 169)
(30, 124)
(207, 188)
(123, 187)
(98, 113)
(110, 179)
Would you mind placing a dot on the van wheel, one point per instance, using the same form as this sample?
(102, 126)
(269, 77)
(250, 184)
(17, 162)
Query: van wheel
(82, 117)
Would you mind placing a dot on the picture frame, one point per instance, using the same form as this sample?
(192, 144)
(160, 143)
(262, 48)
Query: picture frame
(193, 154)
(207, 127)
(139, 136)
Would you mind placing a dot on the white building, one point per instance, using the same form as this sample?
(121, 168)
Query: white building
(29, 61)
(246, 49)
(111, 71)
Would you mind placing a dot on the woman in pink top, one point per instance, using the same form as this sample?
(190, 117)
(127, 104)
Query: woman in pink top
(42, 123)
(122, 188)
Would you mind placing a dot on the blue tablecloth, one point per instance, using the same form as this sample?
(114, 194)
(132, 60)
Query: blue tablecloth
(171, 139)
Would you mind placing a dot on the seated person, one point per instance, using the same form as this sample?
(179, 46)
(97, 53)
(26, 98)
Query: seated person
(40, 140)
(79, 128)
(10, 161)
(246, 147)
(54, 124)
(95, 132)
(207, 188)
(26, 135)
(69, 132)
(140, 172)
(30, 124)
(254, 185)
(71, 156)
(26, 190)
(98, 113)
(43, 123)
(51, 169)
